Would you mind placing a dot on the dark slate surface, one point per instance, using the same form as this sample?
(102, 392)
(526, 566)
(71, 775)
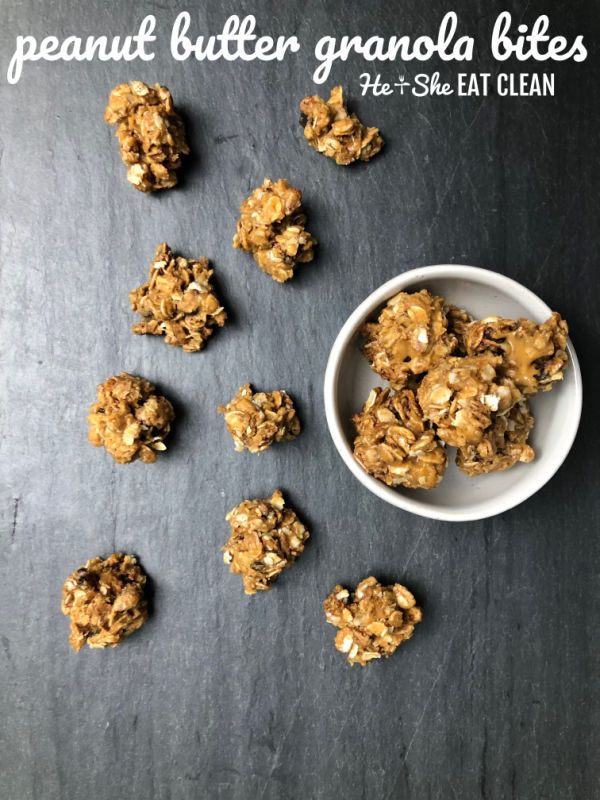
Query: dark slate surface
(223, 696)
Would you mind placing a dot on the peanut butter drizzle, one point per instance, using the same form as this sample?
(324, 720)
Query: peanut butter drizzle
(403, 350)
(523, 351)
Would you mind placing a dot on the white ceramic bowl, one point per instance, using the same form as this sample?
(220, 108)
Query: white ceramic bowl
(348, 380)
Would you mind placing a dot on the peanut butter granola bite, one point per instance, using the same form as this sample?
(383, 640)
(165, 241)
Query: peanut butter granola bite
(374, 621)
(533, 356)
(272, 227)
(395, 444)
(256, 420)
(331, 130)
(150, 133)
(266, 538)
(503, 445)
(178, 301)
(460, 396)
(410, 337)
(129, 419)
(105, 600)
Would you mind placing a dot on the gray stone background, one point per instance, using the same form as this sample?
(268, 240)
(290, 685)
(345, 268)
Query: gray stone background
(221, 695)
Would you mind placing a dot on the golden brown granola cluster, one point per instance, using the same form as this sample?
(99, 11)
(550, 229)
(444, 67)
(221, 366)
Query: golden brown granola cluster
(464, 383)
(374, 621)
(129, 419)
(533, 356)
(266, 538)
(178, 301)
(272, 227)
(410, 336)
(105, 600)
(459, 396)
(150, 133)
(256, 420)
(395, 444)
(503, 444)
(331, 130)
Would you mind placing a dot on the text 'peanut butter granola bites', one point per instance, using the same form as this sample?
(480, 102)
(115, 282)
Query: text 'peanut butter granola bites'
(257, 419)
(503, 444)
(178, 301)
(105, 600)
(373, 621)
(272, 227)
(533, 356)
(150, 133)
(461, 395)
(331, 130)
(395, 444)
(129, 419)
(409, 337)
(266, 538)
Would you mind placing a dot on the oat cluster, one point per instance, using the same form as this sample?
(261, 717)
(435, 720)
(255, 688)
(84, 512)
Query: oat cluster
(266, 538)
(460, 382)
(395, 444)
(105, 601)
(257, 419)
(459, 396)
(150, 133)
(373, 621)
(129, 419)
(503, 444)
(409, 338)
(533, 356)
(178, 301)
(331, 130)
(272, 227)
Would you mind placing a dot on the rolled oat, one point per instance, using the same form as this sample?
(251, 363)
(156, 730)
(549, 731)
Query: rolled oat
(458, 322)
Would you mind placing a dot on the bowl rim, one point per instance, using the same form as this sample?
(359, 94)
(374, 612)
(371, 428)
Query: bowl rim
(518, 494)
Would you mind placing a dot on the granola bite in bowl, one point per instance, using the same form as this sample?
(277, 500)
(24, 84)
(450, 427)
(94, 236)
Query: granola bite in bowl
(395, 444)
(494, 394)
(410, 336)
